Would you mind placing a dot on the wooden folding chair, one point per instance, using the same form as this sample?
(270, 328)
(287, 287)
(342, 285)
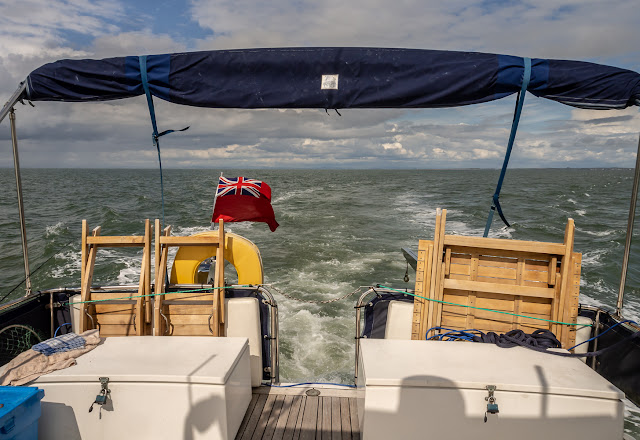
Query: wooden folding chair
(497, 285)
(115, 313)
(188, 313)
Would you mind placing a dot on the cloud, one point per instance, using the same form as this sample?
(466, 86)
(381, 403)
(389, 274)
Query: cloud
(118, 133)
(481, 153)
(41, 28)
(548, 28)
(135, 43)
(35, 32)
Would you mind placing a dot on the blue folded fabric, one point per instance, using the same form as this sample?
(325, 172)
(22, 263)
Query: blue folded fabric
(70, 341)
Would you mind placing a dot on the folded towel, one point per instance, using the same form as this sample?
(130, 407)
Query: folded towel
(30, 365)
(70, 341)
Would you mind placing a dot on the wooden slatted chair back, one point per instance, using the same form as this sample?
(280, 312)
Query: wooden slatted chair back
(195, 313)
(115, 313)
(496, 285)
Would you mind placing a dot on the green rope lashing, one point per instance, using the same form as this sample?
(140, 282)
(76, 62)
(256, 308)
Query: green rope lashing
(482, 308)
(208, 289)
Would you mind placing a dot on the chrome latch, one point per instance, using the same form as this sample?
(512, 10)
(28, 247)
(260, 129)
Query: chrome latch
(492, 406)
(104, 394)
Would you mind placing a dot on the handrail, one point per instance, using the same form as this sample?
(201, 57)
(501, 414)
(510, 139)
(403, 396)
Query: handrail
(357, 338)
(359, 306)
(274, 330)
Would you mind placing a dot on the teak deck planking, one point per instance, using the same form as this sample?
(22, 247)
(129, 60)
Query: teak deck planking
(288, 414)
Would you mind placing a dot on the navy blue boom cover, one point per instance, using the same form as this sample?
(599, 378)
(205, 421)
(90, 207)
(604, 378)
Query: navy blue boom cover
(366, 78)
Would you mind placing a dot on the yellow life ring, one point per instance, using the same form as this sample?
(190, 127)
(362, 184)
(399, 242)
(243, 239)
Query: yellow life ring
(240, 252)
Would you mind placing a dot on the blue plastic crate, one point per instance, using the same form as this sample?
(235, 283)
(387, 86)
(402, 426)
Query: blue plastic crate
(19, 412)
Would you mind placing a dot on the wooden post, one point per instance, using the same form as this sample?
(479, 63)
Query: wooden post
(218, 294)
(437, 249)
(555, 306)
(439, 296)
(423, 278)
(83, 268)
(145, 279)
(148, 299)
(162, 251)
(83, 250)
(156, 270)
(85, 287)
(471, 300)
(566, 279)
(573, 299)
(435, 290)
(427, 288)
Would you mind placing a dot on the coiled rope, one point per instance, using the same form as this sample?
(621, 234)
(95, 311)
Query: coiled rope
(540, 340)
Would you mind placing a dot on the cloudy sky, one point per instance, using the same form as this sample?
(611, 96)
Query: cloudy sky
(117, 134)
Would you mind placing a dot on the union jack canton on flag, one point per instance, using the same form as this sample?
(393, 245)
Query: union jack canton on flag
(247, 187)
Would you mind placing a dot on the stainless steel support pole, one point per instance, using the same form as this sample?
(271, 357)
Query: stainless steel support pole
(627, 245)
(23, 229)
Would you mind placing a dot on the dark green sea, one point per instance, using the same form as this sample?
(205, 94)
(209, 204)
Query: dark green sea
(338, 230)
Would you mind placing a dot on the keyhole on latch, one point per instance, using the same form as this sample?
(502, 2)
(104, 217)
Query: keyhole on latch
(406, 274)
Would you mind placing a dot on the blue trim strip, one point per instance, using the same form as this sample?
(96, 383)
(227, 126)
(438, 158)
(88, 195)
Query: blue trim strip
(539, 75)
(132, 74)
(514, 128)
(159, 67)
(509, 75)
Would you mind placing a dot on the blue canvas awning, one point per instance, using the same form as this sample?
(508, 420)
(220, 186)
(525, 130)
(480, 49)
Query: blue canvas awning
(334, 78)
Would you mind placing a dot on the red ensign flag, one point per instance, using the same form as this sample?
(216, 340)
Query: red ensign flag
(243, 200)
